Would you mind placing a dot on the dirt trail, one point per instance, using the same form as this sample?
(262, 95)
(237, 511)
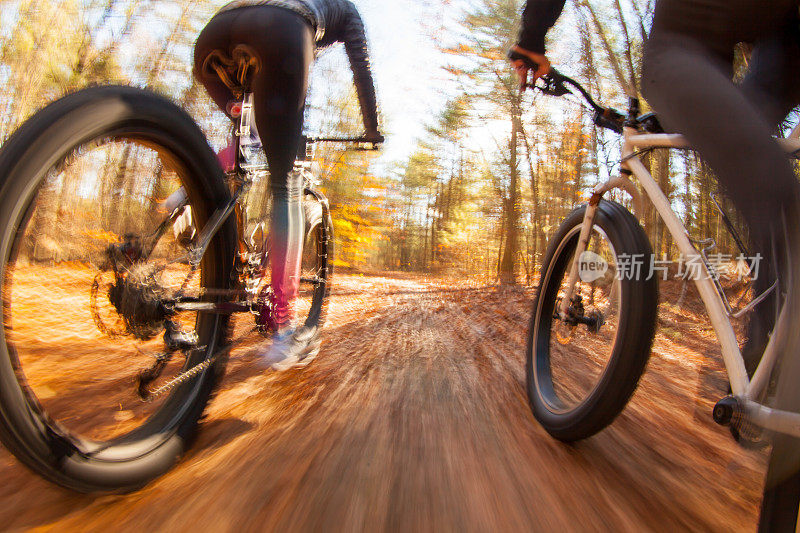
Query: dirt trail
(414, 417)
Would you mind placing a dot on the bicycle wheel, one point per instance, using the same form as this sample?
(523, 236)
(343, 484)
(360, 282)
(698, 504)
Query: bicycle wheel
(316, 267)
(582, 370)
(88, 257)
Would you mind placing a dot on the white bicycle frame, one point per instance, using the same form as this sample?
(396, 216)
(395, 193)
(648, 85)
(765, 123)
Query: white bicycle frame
(742, 387)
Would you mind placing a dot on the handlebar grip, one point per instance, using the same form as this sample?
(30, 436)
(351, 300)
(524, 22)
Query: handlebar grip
(368, 145)
(554, 83)
(379, 139)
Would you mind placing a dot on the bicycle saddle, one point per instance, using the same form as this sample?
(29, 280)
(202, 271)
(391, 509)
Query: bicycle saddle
(235, 69)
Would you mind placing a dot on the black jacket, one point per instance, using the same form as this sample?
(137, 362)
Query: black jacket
(538, 17)
(336, 21)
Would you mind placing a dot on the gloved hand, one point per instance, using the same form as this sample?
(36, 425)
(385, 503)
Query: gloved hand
(374, 137)
(523, 69)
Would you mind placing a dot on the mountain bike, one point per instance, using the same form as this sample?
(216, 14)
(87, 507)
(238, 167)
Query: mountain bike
(126, 249)
(594, 314)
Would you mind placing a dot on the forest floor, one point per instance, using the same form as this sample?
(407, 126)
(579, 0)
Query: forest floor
(414, 417)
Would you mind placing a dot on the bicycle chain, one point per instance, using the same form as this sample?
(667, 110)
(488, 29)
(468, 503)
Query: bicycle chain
(185, 376)
(185, 284)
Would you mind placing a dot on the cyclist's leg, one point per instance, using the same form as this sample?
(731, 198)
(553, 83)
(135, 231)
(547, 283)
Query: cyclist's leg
(772, 79)
(284, 42)
(772, 83)
(687, 79)
(689, 84)
(286, 46)
(215, 36)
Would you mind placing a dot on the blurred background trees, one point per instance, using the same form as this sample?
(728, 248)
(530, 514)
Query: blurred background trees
(484, 187)
(526, 161)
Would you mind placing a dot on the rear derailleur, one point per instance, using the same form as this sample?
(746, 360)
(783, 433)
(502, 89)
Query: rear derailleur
(175, 340)
(142, 302)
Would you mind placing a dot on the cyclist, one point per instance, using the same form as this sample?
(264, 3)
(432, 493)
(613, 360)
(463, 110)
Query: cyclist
(285, 35)
(686, 77)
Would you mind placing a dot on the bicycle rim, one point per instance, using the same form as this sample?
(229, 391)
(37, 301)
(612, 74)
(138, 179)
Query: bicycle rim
(575, 357)
(75, 352)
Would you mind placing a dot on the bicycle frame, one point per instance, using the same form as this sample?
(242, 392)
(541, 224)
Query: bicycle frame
(245, 173)
(719, 312)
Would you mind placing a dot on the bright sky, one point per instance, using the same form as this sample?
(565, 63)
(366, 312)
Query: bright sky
(410, 83)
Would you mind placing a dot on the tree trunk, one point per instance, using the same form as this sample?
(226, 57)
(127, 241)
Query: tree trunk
(507, 264)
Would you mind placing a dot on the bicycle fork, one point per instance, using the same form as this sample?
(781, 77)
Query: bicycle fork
(622, 181)
(583, 243)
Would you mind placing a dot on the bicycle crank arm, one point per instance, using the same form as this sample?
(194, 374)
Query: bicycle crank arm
(222, 308)
(785, 422)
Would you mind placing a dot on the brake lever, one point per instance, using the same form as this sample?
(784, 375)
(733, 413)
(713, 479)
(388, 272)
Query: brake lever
(553, 80)
(363, 148)
(553, 84)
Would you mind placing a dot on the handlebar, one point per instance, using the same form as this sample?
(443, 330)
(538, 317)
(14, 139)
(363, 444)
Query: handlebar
(555, 84)
(366, 144)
